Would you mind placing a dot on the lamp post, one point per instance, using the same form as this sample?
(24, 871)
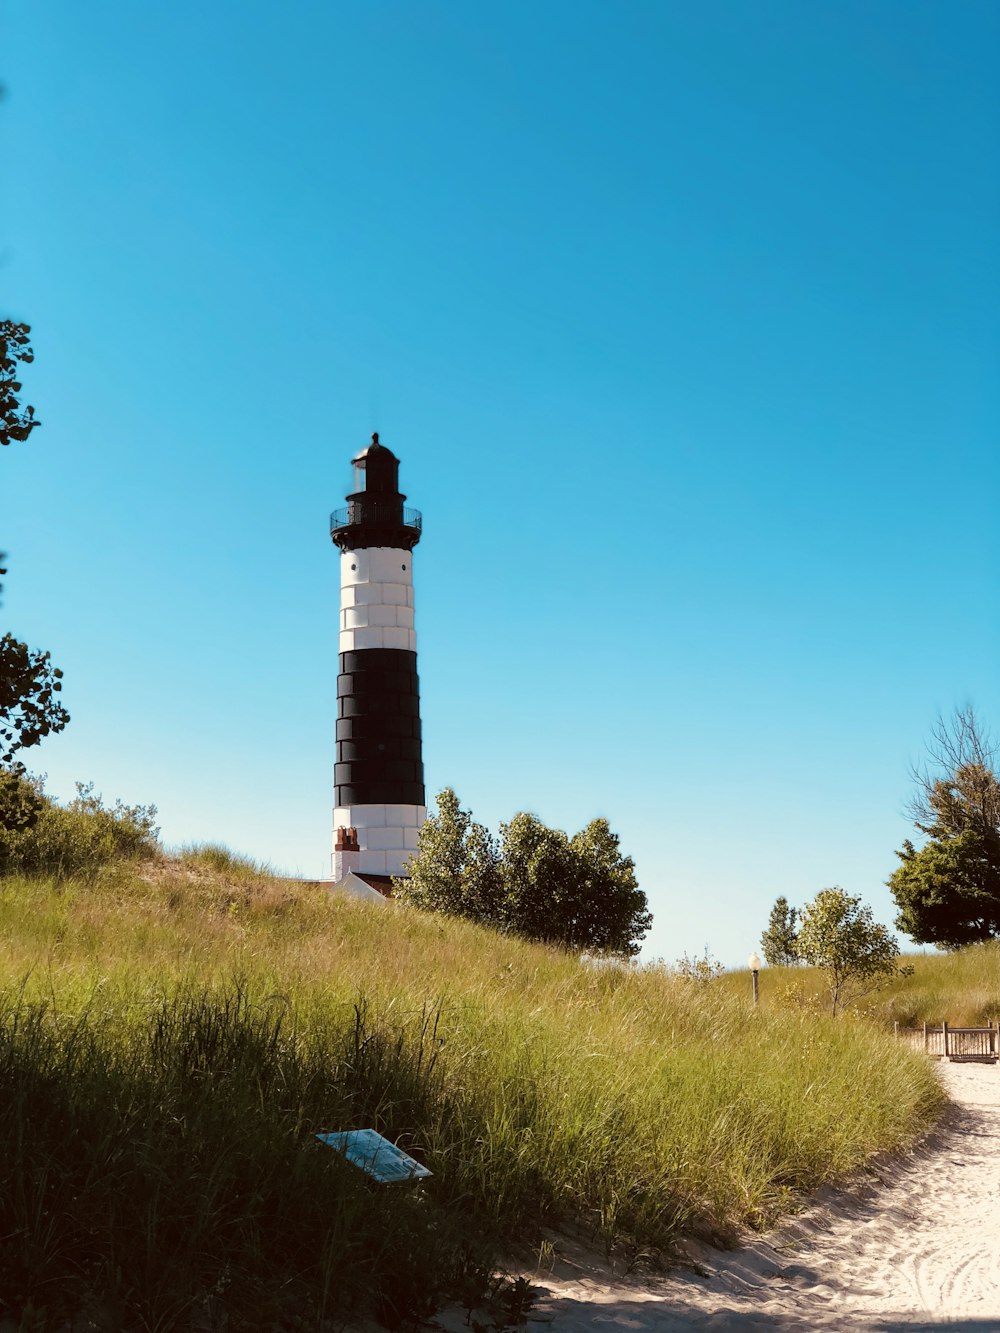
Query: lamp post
(754, 964)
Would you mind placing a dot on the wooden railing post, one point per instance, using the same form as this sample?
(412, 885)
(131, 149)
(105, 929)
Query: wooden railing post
(944, 1029)
(926, 1043)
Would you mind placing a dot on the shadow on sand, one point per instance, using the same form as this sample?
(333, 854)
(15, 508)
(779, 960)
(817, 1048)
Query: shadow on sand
(654, 1316)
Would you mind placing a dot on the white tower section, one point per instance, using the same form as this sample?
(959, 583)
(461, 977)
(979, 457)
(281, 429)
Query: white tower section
(376, 599)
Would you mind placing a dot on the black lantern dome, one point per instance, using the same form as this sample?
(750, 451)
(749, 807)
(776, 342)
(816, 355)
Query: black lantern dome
(375, 515)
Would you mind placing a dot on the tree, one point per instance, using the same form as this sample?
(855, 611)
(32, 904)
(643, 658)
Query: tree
(948, 891)
(29, 683)
(840, 936)
(16, 422)
(780, 940)
(534, 881)
(579, 892)
(456, 868)
(29, 709)
(960, 788)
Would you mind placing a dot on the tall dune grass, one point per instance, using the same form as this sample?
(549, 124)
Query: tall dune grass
(961, 987)
(171, 1041)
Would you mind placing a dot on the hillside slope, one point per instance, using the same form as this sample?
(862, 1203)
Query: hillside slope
(172, 1038)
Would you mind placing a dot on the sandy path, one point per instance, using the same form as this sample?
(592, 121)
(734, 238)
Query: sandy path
(917, 1249)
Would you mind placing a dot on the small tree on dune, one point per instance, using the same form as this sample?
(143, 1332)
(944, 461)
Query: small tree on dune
(841, 936)
(780, 941)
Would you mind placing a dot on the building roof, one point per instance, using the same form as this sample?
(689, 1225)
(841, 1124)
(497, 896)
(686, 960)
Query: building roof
(381, 883)
(361, 884)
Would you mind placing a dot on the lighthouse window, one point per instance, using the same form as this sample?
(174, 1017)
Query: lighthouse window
(402, 566)
(354, 566)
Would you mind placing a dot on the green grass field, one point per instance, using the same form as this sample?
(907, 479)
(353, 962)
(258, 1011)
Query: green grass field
(961, 987)
(171, 1038)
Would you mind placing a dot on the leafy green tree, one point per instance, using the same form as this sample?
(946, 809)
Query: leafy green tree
(579, 892)
(29, 709)
(780, 940)
(456, 868)
(16, 422)
(948, 891)
(536, 882)
(538, 870)
(841, 936)
(29, 683)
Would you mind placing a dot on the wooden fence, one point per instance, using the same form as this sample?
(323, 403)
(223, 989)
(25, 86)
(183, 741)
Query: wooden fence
(951, 1043)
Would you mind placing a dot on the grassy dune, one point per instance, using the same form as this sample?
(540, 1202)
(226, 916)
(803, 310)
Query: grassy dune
(962, 987)
(170, 1040)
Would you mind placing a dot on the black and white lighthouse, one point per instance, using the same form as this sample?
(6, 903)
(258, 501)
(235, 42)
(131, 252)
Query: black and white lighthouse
(379, 773)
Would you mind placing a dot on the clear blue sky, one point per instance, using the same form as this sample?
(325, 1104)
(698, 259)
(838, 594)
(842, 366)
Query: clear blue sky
(683, 319)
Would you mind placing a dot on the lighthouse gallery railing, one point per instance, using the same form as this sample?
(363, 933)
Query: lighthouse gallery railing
(374, 512)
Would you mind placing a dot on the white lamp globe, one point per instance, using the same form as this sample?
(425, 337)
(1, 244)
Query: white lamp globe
(754, 963)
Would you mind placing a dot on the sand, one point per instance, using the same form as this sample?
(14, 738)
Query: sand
(915, 1246)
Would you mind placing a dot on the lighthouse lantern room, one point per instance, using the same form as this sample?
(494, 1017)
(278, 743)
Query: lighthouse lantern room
(379, 774)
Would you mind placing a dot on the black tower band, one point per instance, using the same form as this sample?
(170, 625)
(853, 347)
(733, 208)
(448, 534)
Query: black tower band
(379, 759)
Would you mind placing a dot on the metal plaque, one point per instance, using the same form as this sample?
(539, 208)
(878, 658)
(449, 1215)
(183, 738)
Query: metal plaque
(375, 1155)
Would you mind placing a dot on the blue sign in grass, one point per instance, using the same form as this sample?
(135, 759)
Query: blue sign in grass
(375, 1155)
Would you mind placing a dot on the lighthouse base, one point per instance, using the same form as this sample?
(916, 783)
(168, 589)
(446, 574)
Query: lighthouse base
(386, 838)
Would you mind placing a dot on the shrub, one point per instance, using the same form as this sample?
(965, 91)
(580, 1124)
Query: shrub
(38, 836)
